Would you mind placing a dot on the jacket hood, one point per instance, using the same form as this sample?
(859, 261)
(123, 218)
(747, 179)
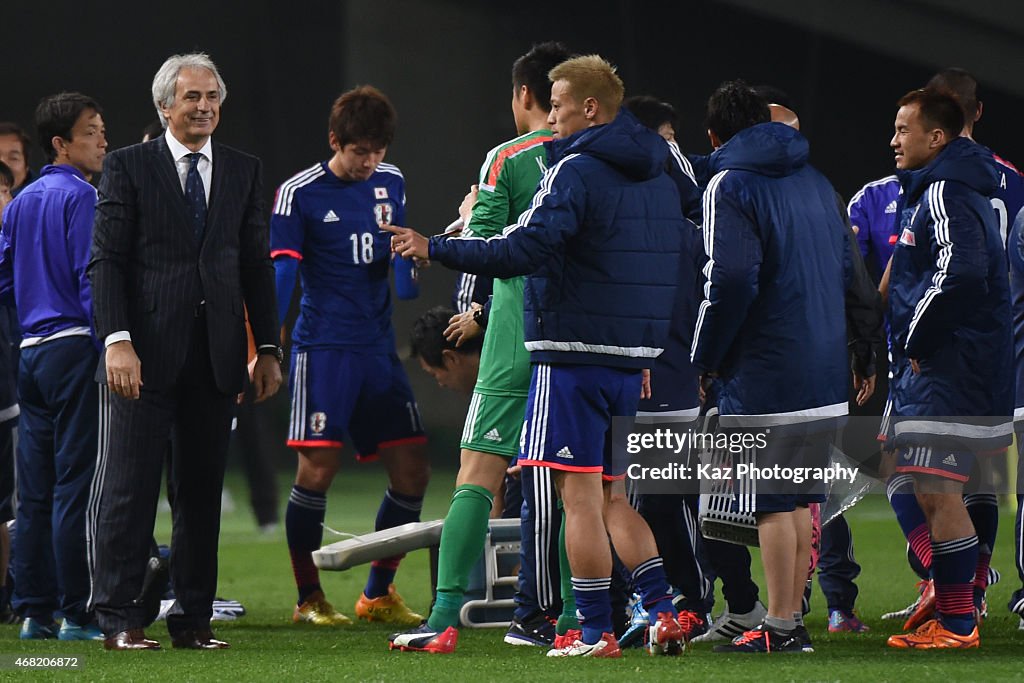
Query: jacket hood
(962, 160)
(625, 144)
(771, 149)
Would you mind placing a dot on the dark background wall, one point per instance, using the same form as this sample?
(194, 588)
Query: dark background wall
(445, 63)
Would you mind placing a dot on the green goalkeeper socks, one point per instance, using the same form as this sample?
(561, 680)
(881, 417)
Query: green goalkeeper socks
(462, 541)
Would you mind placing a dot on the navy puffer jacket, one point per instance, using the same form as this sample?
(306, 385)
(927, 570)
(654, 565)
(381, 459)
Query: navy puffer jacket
(600, 246)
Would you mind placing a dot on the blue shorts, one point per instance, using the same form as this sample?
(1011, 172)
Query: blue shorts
(673, 393)
(569, 415)
(364, 395)
(794, 450)
(938, 462)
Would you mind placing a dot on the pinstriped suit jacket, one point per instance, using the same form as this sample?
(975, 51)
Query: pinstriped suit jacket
(148, 274)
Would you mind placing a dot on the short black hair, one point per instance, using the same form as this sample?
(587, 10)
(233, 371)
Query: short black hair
(6, 175)
(153, 130)
(532, 70)
(733, 107)
(962, 85)
(427, 339)
(938, 109)
(774, 95)
(10, 128)
(363, 114)
(651, 111)
(56, 116)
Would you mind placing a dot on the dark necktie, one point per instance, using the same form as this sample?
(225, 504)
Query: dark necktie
(195, 196)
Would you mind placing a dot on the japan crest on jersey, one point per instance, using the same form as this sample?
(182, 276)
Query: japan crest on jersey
(383, 212)
(318, 423)
(380, 193)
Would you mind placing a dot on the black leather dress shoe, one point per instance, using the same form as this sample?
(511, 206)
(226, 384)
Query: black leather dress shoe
(132, 639)
(198, 640)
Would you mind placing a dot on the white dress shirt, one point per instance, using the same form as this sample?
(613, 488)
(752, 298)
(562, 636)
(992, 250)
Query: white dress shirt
(179, 153)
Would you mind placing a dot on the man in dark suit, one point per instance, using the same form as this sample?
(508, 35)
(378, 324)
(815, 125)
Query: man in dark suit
(180, 252)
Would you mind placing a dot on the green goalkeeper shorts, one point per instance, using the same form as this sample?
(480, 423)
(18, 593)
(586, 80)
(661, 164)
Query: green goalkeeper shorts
(493, 424)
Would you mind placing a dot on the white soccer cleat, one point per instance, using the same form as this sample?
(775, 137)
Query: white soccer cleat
(729, 625)
(608, 646)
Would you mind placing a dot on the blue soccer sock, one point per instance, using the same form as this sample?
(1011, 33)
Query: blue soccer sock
(910, 516)
(984, 511)
(395, 509)
(303, 524)
(594, 607)
(953, 567)
(650, 582)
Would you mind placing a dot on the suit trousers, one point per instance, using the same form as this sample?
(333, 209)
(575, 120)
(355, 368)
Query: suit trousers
(196, 417)
(837, 567)
(256, 443)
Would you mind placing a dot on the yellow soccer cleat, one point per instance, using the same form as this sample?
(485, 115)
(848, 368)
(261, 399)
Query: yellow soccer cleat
(317, 611)
(387, 609)
(932, 636)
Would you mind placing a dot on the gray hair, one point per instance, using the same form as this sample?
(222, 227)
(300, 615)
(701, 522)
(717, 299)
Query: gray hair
(166, 79)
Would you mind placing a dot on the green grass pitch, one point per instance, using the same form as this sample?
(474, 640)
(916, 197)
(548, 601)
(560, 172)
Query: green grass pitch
(268, 648)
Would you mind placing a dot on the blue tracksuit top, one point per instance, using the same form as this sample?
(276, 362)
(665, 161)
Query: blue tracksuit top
(44, 251)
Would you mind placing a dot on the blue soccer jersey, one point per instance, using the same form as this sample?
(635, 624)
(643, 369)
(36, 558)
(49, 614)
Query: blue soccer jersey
(332, 227)
(873, 211)
(873, 216)
(1009, 195)
(1009, 204)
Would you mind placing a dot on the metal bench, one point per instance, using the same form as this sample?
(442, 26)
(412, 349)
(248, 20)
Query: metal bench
(492, 583)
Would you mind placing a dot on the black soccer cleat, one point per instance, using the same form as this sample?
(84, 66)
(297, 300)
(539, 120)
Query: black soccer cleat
(538, 631)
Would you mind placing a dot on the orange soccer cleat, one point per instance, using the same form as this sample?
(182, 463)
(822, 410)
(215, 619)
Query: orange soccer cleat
(933, 636)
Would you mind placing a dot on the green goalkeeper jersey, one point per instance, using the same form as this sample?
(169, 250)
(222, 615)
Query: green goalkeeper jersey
(508, 181)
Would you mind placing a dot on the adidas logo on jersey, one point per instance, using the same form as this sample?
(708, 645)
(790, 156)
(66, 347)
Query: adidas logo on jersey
(949, 460)
(564, 453)
(331, 217)
(493, 435)
(891, 208)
